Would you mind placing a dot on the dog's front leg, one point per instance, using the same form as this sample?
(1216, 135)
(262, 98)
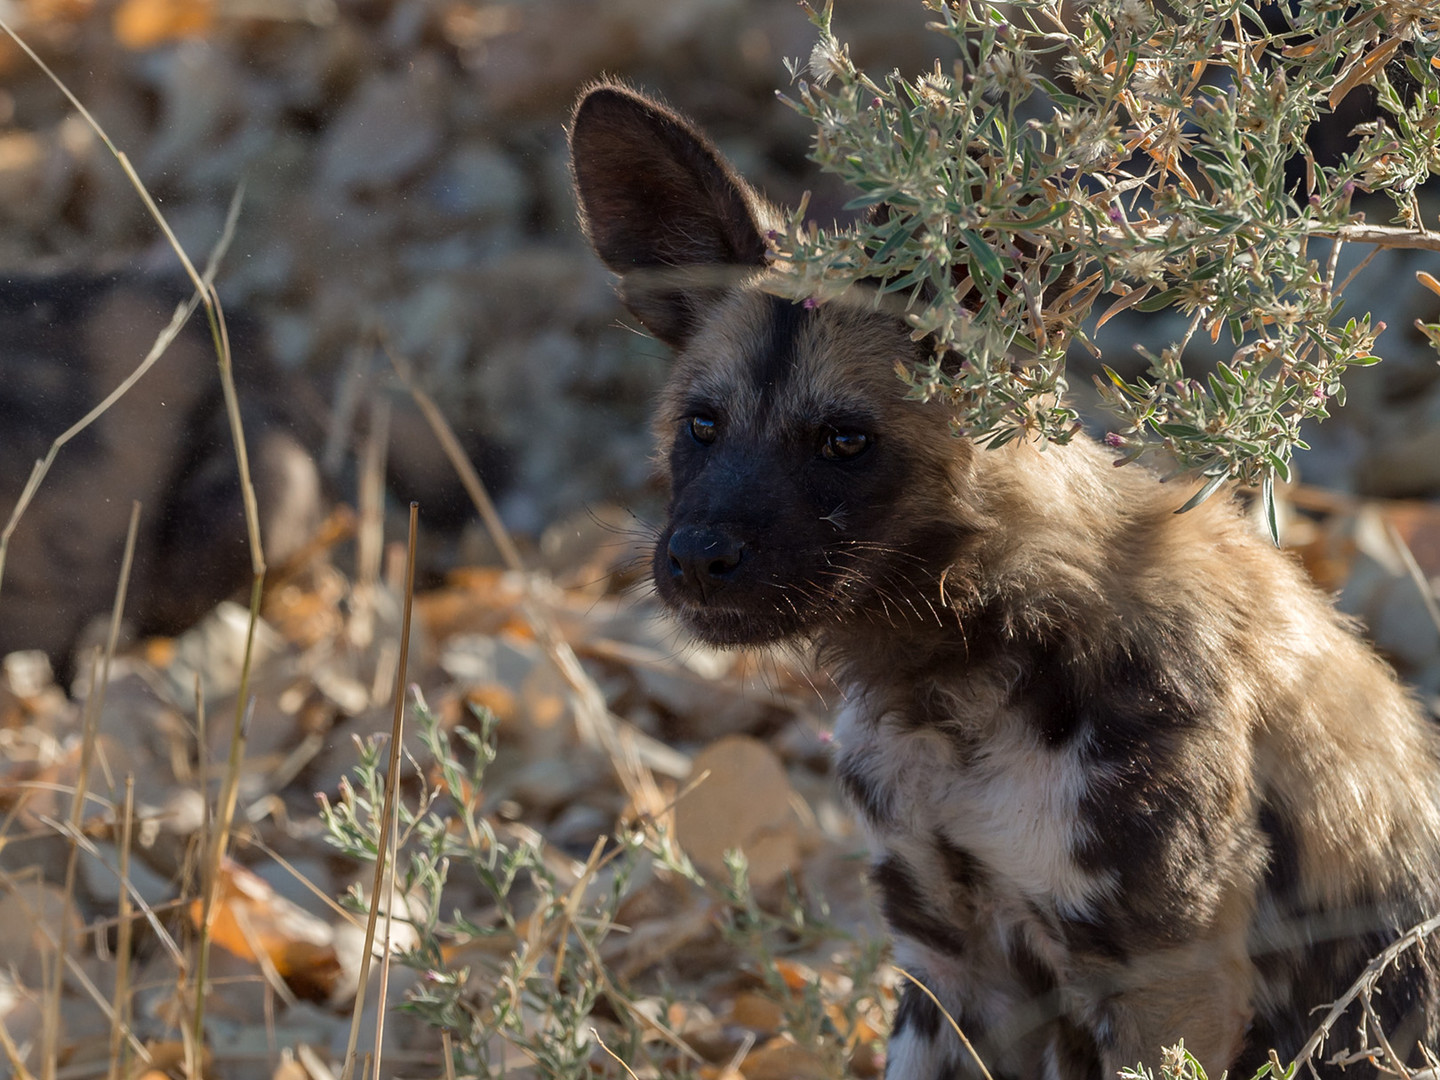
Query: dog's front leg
(923, 1042)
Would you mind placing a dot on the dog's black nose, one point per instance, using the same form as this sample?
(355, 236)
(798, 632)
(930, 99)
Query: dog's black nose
(703, 559)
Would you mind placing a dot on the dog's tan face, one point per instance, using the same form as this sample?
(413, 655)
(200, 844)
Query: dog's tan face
(803, 484)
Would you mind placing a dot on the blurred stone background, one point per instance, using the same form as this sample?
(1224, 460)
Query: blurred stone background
(405, 181)
(405, 174)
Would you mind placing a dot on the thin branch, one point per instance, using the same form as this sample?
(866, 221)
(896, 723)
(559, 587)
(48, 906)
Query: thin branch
(1364, 985)
(1386, 236)
(1381, 236)
(383, 890)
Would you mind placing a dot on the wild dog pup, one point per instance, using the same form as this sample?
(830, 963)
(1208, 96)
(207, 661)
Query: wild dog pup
(1127, 775)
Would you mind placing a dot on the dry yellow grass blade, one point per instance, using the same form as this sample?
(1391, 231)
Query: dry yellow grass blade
(204, 294)
(94, 702)
(953, 1022)
(596, 725)
(389, 816)
(1364, 70)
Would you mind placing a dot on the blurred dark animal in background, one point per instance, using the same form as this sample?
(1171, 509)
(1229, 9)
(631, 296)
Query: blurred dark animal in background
(67, 340)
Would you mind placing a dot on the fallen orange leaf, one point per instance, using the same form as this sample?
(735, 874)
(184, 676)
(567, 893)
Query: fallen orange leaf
(252, 920)
(167, 1057)
(143, 24)
(495, 698)
(796, 975)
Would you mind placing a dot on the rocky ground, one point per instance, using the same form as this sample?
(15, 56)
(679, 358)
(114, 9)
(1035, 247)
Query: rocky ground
(404, 174)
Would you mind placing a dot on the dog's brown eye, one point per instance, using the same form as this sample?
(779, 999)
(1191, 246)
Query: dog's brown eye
(703, 430)
(843, 445)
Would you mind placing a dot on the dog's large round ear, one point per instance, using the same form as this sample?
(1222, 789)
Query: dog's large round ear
(661, 207)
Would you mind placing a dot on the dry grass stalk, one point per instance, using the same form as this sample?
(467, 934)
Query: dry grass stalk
(120, 1024)
(204, 294)
(382, 887)
(596, 725)
(50, 1037)
(954, 1024)
(1363, 990)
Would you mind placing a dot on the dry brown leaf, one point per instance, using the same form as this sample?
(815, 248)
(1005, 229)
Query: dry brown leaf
(57, 10)
(252, 916)
(781, 1058)
(681, 1016)
(495, 698)
(1130, 299)
(1326, 552)
(39, 15)
(797, 976)
(159, 651)
(304, 616)
(1364, 70)
(867, 1060)
(290, 1069)
(447, 612)
(12, 711)
(543, 695)
(744, 803)
(479, 600)
(762, 1014)
(167, 1058)
(1418, 524)
(754, 1010)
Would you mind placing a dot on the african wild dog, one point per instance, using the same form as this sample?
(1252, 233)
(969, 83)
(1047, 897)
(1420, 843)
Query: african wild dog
(1127, 775)
(66, 340)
